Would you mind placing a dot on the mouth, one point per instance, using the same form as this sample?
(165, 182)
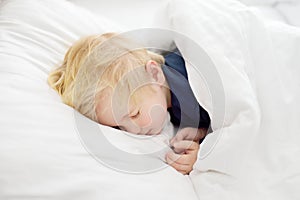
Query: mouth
(150, 132)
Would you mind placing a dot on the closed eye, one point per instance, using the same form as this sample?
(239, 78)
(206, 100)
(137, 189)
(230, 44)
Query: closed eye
(135, 115)
(119, 128)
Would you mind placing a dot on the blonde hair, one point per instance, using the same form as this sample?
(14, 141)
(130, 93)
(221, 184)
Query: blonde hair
(96, 62)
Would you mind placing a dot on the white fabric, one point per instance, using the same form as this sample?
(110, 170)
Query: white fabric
(42, 153)
(256, 156)
(229, 53)
(287, 11)
(129, 14)
(139, 13)
(266, 2)
(290, 12)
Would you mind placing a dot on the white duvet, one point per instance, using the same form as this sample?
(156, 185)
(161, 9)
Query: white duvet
(244, 72)
(259, 66)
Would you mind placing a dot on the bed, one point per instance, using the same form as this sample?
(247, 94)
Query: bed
(50, 151)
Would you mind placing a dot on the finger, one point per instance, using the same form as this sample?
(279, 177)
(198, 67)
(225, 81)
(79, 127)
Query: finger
(187, 133)
(180, 159)
(176, 138)
(179, 151)
(184, 134)
(186, 145)
(191, 133)
(178, 167)
(183, 172)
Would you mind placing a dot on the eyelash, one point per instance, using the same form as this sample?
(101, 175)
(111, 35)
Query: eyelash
(119, 127)
(116, 127)
(134, 116)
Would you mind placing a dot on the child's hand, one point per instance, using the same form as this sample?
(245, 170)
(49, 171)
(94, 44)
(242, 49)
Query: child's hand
(184, 161)
(189, 133)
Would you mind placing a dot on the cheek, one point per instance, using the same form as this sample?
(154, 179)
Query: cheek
(158, 114)
(154, 116)
(144, 120)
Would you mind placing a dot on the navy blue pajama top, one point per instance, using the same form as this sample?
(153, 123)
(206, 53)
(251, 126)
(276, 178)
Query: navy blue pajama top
(185, 110)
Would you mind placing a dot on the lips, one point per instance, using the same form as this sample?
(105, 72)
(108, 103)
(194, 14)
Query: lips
(151, 132)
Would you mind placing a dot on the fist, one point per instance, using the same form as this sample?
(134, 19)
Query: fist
(185, 157)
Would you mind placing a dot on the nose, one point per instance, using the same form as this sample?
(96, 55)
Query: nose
(151, 121)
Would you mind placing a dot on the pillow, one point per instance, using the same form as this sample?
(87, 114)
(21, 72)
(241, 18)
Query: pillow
(265, 2)
(48, 150)
(129, 14)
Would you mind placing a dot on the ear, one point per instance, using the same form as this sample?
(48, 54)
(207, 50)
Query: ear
(155, 71)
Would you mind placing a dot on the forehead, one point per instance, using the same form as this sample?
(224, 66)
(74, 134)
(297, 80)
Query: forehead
(104, 108)
(109, 109)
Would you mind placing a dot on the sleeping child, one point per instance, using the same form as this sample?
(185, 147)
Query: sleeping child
(113, 81)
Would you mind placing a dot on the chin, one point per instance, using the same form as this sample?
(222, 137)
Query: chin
(153, 132)
(156, 132)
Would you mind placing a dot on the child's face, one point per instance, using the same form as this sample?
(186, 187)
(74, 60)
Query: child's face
(147, 117)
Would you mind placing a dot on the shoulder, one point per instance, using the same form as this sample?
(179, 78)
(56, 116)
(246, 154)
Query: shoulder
(175, 61)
